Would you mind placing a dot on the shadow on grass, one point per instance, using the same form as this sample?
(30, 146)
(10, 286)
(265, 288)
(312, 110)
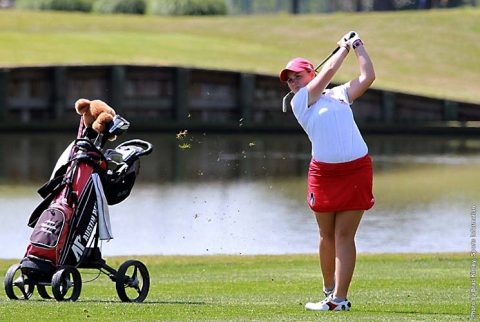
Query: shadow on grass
(120, 302)
(414, 312)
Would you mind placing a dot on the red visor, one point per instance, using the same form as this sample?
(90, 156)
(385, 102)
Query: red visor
(295, 65)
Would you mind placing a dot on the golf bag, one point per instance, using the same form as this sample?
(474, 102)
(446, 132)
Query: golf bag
(74, 212)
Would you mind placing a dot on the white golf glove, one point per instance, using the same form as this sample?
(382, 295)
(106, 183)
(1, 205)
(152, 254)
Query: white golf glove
(344, 41)
(354, 39)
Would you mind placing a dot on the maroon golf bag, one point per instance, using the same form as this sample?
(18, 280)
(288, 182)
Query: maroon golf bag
(83, 184)
(73, 217)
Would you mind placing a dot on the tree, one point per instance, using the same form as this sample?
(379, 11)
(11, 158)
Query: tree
(383, 5)
(295, 7)
(358, 5)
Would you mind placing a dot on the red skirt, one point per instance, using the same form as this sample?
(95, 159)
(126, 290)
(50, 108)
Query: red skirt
(334, 187)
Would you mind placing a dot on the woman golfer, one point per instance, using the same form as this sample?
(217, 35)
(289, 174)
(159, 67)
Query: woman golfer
(340, 172)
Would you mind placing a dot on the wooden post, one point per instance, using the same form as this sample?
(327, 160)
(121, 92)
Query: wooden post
(450, 111)
(3, 160)
(383, 5)
(295, 7)
(180, 98)
(3, 94)
(358, 5)
(246, 7)
(117, 94)
(245, 99)
(59, 92)
(388, 99)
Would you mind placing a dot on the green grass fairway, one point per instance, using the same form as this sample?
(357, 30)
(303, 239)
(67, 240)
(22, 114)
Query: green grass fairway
(433, 53)
(434, 287)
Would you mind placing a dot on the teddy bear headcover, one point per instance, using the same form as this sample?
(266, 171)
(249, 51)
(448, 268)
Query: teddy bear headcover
(96, 114)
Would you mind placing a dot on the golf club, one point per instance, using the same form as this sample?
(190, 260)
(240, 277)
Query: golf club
(289, 94)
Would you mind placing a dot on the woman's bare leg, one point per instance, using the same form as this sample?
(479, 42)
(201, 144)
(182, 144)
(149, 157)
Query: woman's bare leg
(346, 224)
(326, 226)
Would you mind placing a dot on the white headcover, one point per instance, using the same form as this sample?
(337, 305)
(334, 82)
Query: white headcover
(62, 160)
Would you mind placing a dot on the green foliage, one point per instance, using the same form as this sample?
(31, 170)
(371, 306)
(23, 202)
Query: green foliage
(60, 5)
(187, 7)
(408, 47)
(120, 6)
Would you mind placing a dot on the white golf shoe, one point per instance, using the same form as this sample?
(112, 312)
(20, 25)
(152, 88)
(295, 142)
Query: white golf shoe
(328, 304)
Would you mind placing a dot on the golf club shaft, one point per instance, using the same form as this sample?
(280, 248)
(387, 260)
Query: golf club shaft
(325, 60)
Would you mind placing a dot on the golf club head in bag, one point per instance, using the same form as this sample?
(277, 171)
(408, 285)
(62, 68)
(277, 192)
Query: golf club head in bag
(116, 127)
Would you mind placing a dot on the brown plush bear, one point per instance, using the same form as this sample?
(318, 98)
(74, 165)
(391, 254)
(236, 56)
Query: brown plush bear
(96, 114)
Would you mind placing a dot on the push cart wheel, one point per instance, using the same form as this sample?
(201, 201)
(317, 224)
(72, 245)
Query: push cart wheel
(132, 281)
(17, 285)
(66, 284)
(42, 291)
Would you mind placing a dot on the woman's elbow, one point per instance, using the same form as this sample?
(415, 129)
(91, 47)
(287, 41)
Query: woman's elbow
(369, 77)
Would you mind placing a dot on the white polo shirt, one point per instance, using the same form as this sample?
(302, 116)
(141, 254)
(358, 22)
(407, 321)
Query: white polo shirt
(330, 125)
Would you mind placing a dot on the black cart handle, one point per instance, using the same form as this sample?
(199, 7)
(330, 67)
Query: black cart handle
(146, 147)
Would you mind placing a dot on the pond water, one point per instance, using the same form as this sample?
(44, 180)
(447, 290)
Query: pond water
(245, 194)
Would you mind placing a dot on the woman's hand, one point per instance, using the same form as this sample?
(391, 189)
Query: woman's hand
(345, 41)
(354, 39)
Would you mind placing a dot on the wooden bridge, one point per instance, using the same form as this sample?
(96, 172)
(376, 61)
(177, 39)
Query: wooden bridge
(159, 98)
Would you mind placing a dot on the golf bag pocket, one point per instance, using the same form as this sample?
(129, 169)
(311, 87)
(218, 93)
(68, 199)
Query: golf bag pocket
(49, 227)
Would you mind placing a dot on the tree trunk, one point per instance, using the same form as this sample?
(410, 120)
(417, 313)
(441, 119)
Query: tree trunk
(383, 5)
(295, 7)
(246, 6)
(424, 4)
(358, 5)
(454, 3)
